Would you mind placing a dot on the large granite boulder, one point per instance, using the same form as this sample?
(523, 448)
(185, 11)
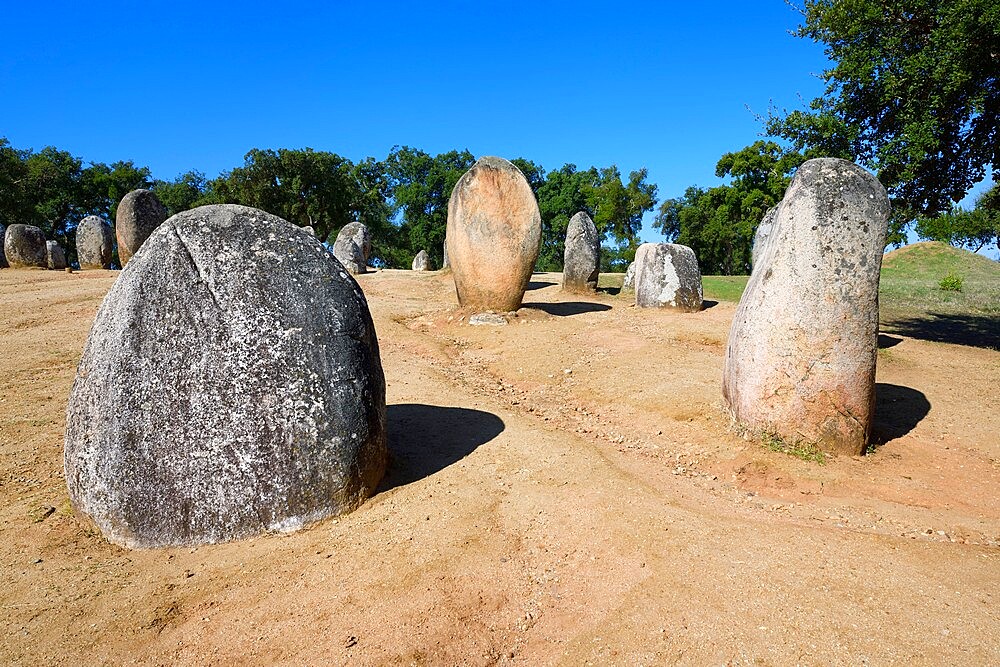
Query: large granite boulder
(24, 246)
(628, 282)
(494, 236)
(667, 276)
(55, 258)
(582, 255)
(800, 362)
(422, 262)
(761, 234)
(353, 246)
(3, 255)
(231, 385)
(95, 243)
(139, 213)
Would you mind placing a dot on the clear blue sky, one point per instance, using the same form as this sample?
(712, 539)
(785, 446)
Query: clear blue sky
(178, 86)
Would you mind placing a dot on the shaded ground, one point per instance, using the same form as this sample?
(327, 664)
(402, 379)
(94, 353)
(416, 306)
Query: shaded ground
(562, 490)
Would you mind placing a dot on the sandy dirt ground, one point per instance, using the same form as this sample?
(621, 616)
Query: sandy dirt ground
(563, 490)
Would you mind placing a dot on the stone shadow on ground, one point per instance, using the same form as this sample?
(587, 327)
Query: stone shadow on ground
(885, 341)
(972, 330)
(898, 410)
(424, 439)
(567, 308)
(707, 303)
(538, 284)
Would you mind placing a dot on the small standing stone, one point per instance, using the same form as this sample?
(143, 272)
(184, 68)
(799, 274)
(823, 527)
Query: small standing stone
(95, 243)
(800, 362)
(628, 283)
(139, 213)
(494, 235)
(761, 234)
(422, 262)
(25, 247)
(352, 247)
(667, 276)
(444, 263)
(55, 257)
(582, 255)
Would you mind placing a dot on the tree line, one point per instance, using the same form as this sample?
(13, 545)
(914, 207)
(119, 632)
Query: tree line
(403, 199)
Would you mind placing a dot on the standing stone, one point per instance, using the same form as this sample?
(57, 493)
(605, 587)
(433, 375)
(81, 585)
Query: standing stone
(139, 213)
(800, 362)
(445, 264)
(55, 257)
(422, 262)
(352, 247)
(494, 235)
(667, 276)
(231, 385)
(761, 235)
(3, 255)
(628, 283)
(25, 246)
(582, 256)
(95, 243)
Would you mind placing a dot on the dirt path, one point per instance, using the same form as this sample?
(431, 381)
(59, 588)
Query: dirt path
(563, 490)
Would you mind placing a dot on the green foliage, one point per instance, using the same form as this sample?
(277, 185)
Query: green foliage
(719, 223)
(724, 288)
(187, 191)
(973, 229)
(912, 94)
(799, 449)
(419, 186)
(951, 282)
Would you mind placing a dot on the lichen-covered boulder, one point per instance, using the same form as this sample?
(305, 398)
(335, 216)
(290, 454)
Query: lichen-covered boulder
(628, 282)
(55, 257)
(24, 246)
(422, 262)
(667, 276)
(582, 255)
(353, 246)
(800, 362)
(494, 235)
(139, 213)
(3, 255)
(761, 234)
(95, 243)
(231, 385)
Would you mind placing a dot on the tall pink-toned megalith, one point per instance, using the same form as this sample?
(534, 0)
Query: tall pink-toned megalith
(800, 362)
(494, 235)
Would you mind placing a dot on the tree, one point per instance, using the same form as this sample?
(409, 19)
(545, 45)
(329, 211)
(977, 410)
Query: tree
(719, 223)
(914, 94)
(560, 197)
(973, 230)
(185, 192)
(420, 186)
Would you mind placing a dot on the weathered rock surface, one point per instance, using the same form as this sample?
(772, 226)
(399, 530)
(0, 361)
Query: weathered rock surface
(353, 246)
(582, 255)
(491, 319)
(309, 229)
(55, 258)
(95, 243)
(231, 384)
(139, 213)
(445, 264)
(667, 276)
(762, 233)
(628, 283)
(422, 262)
(494, 235)
(3, 255)
(24, 246)
(800, 362)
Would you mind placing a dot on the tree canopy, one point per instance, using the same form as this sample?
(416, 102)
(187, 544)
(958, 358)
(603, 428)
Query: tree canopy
(913, 94)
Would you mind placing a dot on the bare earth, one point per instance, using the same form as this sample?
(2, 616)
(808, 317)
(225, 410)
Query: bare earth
(564, 490)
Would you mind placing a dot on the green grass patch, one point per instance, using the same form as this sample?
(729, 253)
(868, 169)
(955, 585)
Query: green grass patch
(724, 288)
(800, 450)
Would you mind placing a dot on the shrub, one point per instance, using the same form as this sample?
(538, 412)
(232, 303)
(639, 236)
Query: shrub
(951, 282)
